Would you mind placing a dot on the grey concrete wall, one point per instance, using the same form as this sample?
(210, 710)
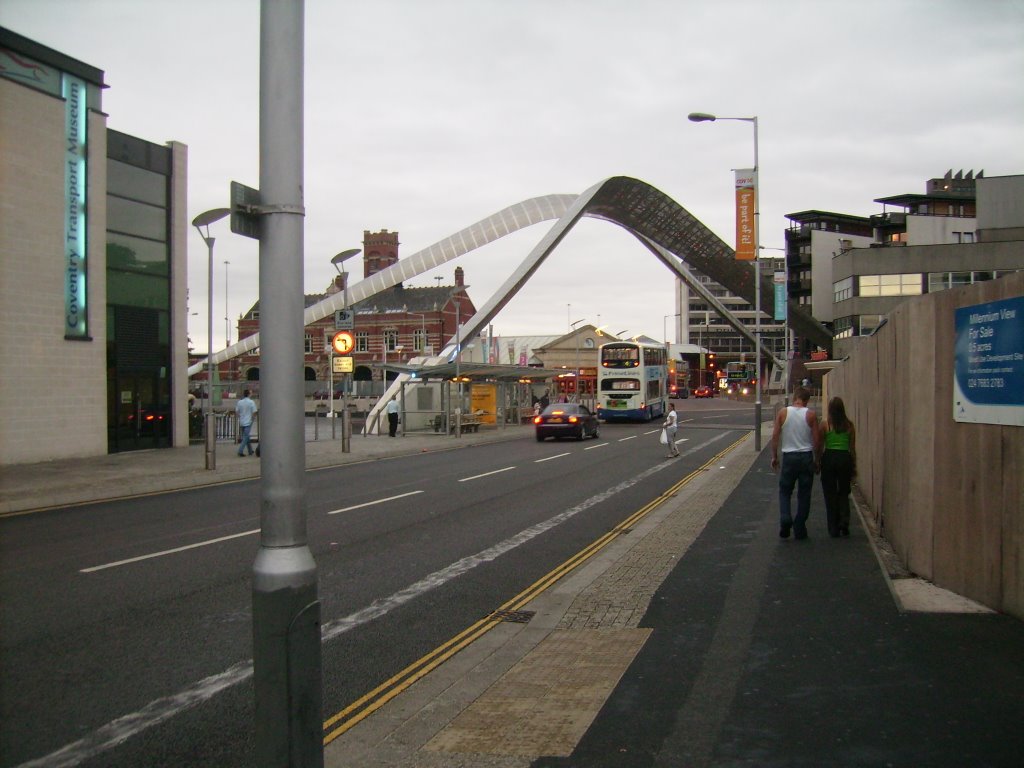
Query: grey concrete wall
(948, 496)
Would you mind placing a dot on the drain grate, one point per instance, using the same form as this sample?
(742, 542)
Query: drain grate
(515, 617)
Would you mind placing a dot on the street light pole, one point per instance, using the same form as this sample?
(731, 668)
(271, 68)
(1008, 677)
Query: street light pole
(572, 326)
(664, 328)
(346, 417)
(785, 321)
(423, 330)
(227, 321)
(286, 611)
(202, 224)
(458, 369)
(701, 330)
(227, 315)
(702, 117)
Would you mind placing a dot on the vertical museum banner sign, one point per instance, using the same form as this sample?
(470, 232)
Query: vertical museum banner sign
(75, 116)
(746, 206)
(779, 283)
(988, 370)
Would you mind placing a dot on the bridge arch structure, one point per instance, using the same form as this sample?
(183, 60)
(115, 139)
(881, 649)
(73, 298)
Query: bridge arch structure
(675, 236)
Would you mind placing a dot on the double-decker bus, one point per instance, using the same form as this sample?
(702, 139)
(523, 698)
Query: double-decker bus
(632, 381)
(678, 378)
(741, 377)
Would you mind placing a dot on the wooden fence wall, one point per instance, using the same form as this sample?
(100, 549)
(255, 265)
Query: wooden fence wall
(948, 496)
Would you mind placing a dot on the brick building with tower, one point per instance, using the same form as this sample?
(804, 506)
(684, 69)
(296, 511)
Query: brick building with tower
(392, 327)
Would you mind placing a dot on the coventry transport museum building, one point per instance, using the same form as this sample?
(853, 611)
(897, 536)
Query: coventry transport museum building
(92, 269)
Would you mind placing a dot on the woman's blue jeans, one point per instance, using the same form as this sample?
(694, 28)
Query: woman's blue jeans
(798, 470)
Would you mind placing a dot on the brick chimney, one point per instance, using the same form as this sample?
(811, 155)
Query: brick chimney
(380, 251)
(460, 278)
(337, 285)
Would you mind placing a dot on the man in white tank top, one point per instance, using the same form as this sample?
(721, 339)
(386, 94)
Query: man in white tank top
(798, 438)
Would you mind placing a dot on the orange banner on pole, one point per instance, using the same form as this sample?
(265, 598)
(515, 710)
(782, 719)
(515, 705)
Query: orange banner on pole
(746, 207)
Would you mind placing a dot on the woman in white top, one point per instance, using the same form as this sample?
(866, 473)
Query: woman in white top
(671, 425)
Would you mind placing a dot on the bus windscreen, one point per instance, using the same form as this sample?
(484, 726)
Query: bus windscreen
(620, 357)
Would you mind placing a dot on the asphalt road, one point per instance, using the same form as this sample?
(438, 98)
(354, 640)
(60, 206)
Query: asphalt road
(118, 617)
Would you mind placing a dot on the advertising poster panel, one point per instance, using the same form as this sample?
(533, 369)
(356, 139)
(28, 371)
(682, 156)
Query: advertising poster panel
(988, 371)
(746, 207)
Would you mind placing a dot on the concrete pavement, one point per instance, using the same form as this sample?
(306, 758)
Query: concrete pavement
(690, 636)
(698, 637)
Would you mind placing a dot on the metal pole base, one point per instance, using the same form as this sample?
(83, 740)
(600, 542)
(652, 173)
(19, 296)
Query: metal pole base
(346, 431)
(287, 659)
(757, 426)
(211, 441)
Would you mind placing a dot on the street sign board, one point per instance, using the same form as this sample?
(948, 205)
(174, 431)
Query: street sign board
(243, 221)
(343, 342)
(988, 369)
(779, 282)
(343, 364)
(344, 319)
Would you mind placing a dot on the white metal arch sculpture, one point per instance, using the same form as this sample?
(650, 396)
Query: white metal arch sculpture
(671, 232)
(494, 227)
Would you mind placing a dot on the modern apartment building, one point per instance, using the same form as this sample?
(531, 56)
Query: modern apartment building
(962, 230)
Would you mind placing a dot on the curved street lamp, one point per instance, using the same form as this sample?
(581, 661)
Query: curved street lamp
(576, 384)
(202, 224)
(704, 117)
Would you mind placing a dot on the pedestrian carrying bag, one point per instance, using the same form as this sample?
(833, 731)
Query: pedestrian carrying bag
(664, 437)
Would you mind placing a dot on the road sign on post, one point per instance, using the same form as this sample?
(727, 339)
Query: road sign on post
(245, 220)
(344, 320)
(343, 343)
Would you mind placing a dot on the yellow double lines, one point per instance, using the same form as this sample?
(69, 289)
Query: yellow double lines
(369, 703)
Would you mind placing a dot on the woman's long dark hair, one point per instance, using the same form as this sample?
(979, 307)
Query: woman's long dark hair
(837, 419)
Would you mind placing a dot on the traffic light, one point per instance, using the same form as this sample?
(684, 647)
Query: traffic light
(711, 360)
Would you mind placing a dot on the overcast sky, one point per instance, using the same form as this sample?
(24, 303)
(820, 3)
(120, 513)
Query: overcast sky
(425, 116)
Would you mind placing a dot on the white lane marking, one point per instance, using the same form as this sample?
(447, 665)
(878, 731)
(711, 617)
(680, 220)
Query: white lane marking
(438, 578)
(187, 547)
(599, 445)
(624, 439)
(486, 474)
(371, 503)
(118, 731)
(549, 458)
(165, 552)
